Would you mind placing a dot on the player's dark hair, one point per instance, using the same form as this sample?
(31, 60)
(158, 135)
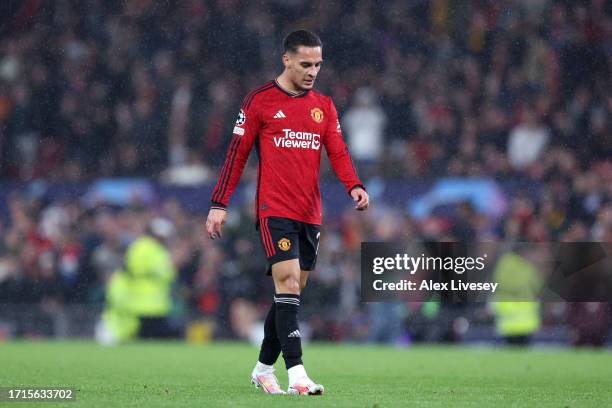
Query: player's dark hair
(301, 38)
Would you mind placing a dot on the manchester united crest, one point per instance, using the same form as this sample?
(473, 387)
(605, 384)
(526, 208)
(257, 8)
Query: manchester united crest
(317, 115)
(284, 244)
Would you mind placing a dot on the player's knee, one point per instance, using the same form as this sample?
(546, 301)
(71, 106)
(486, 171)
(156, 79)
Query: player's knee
(291, 284)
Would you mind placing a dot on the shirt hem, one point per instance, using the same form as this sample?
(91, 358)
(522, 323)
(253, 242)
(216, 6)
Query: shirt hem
(306, 220)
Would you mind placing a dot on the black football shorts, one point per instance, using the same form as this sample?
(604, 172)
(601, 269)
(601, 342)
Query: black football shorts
(285, 239)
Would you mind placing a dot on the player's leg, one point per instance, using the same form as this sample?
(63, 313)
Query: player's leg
(286, 275)
(303, 279)
(299, 382)
(263, 374)
(309, 249)
(276, 236)
(270, 346)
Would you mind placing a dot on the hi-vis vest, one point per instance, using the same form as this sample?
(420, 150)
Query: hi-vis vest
(518, 279)
(150, 273)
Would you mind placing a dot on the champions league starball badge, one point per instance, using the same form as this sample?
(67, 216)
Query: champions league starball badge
(241, 118)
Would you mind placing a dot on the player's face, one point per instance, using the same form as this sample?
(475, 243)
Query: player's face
(303, 66)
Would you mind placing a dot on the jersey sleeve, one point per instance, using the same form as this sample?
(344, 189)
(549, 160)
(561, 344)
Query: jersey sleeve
(244, 134)
(338, 153)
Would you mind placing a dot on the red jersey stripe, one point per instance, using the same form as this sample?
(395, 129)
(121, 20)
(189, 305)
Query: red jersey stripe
(222, 174)
(249, 98)
(229, 170)
(272, 247)
(267, 238)
(226, 171)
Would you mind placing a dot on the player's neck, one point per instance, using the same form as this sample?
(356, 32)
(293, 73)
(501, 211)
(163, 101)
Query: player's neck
(287, 86)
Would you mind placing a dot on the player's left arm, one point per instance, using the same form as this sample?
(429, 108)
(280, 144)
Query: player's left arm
(341, 161)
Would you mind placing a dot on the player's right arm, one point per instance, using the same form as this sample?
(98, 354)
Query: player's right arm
(243, 136)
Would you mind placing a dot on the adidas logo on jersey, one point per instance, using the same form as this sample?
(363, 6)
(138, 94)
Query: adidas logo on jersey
(295, 333)
(279, 115)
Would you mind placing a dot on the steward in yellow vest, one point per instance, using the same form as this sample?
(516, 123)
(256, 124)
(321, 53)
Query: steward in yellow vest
(139, 297)
(518, 279)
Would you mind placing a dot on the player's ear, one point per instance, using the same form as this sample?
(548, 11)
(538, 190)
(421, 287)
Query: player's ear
(286, 60)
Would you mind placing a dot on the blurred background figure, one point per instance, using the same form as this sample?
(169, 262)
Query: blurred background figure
(589, 323)
(364, 125)
(519, 279)
(139, 296)
(527, 141)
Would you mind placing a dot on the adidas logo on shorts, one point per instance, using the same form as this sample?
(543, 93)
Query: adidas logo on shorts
(295, 333)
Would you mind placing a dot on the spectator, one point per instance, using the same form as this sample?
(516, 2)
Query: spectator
(364, 123)
(527, 141)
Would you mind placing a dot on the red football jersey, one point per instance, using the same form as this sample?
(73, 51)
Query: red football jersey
(288, 132)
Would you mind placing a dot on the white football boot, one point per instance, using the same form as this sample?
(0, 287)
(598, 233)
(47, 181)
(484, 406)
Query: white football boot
(301, 384)
(266, 380)
(305, 386)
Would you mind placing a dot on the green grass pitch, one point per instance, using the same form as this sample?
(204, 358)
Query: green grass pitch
(217, 375)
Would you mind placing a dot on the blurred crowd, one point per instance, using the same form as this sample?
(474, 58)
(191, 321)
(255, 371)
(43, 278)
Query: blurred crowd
(143, 88)
(57, 254)
(516, 91)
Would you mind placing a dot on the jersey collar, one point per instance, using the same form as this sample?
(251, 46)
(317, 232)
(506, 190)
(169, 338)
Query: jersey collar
(291, 94)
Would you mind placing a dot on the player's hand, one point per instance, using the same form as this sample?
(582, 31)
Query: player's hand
(214, 222)
(360, 196)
